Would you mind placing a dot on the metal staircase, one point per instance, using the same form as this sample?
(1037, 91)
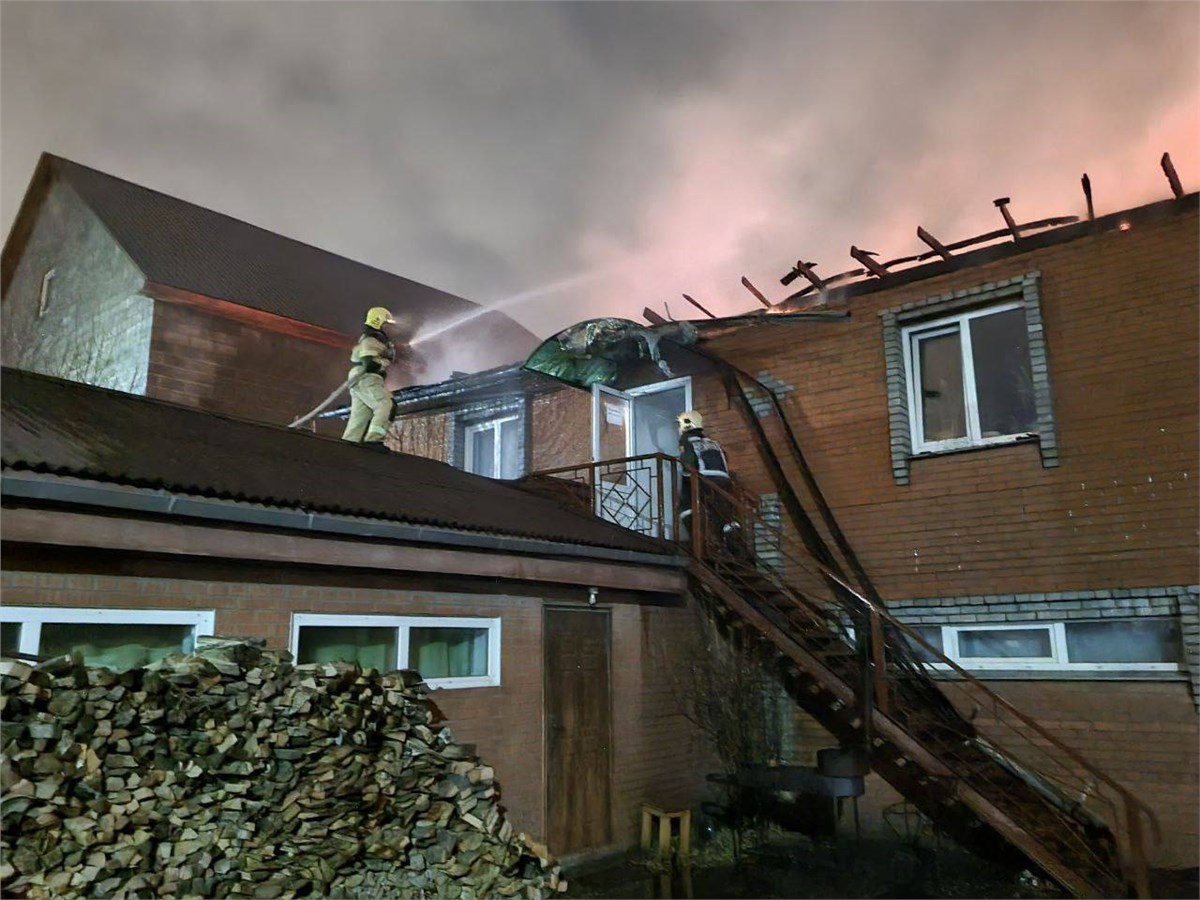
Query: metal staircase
(985, 773)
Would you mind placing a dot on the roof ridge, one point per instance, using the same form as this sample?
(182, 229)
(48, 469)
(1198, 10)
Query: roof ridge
(59, 161)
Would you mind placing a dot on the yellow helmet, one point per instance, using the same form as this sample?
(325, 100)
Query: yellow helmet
(689, 420)
(377, 317)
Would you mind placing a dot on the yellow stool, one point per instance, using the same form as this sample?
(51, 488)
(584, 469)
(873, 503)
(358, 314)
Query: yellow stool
(652, 815)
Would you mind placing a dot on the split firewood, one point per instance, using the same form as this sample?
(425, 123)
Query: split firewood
(234, 773)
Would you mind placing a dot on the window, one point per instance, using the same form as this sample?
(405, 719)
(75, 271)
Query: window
(448, 652)
(970, 379)
(968, 370)
(493, 448)
(1147, 644)
(118, 639)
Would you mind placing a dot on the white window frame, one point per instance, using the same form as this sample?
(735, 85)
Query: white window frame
(497, 445)
(910, 335)
(1057, 661)
(403, 624)
(31, 619)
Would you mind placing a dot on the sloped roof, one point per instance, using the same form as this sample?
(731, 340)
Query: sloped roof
(63, 428)
(180, 245)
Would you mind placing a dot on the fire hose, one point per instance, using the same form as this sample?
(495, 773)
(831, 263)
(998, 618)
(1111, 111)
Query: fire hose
(324, 404)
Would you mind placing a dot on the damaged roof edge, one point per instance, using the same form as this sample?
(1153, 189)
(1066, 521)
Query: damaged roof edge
(1149, 214)
(66, 489)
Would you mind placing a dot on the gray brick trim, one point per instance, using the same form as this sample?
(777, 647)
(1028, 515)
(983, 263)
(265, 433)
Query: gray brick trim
(1189, 621)
(1114, 603)
(1182, 601)
(1024, 287)
(767, 546)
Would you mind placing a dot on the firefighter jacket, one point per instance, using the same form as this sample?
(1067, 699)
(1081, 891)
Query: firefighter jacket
(702, 454)
(372, 354)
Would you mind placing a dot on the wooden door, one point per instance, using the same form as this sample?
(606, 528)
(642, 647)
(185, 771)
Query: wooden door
(578, 729)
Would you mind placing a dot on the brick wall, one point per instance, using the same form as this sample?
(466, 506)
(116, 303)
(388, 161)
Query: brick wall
(562, 429)
(1144, 735)
(656, 755)
(1120, 316)
(96, 326)
(218, 365)
(423, 435)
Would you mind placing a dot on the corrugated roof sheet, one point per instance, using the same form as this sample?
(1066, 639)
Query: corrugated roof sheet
(65, 428)
(181, 245)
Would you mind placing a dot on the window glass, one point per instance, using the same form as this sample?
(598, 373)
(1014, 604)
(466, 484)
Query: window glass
(1149, 640)
(932, 635)
(1015, 643)
(448, 652)
(510, 449)
(116, 646)
(10, 638)
(483, 451)
(654, 414)
(1003, 382)
(942, 411)
(370, 647)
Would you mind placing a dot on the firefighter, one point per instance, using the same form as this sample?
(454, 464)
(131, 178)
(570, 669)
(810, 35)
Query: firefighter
(370, 401)
(701, 453)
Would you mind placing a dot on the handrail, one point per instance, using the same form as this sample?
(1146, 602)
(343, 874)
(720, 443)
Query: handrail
(884, 653)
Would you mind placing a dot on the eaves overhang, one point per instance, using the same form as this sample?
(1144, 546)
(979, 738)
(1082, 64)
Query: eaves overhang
(68, 491)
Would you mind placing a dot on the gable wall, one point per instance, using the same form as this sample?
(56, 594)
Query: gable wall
(96, 326)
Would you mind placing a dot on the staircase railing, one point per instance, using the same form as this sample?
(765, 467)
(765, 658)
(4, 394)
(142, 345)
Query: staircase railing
(977, 734)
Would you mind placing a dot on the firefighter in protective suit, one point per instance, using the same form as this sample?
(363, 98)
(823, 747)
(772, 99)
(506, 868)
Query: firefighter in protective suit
(370, 402)
(701, 453)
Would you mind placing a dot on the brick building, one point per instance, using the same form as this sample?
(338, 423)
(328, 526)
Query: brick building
(1007, 439)
(113, 284)
(551, 639)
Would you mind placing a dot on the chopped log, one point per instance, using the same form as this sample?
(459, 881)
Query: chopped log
(233, 773)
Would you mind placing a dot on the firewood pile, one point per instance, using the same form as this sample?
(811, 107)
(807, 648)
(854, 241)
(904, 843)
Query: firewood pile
(233, 773)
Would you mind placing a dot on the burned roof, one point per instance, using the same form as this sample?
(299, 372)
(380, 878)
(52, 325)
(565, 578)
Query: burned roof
(180, 245)
(63, 428)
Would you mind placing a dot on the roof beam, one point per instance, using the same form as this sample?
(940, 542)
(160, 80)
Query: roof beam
(756, 292)
(864, 257)
(698, 306)
(1002, 204)
(937, 246)
(1169, 170)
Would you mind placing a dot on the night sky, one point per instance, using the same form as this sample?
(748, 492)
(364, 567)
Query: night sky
(580, 159)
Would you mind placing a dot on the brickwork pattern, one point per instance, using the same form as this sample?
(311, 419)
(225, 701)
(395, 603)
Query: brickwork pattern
(657, 755)
(427, 435)
(1121, 603)
(562, 429)
(218, 365)
(1119, 313)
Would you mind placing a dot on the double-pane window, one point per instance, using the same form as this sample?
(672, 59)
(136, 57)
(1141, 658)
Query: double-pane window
(448, 652)
(117, 639)
(970, 379)
(493, 448)
(1151, 644)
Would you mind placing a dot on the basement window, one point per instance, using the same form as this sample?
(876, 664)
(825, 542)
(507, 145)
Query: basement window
(968, 370)
(458, 652)
(117, 639)
(1144, 644)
